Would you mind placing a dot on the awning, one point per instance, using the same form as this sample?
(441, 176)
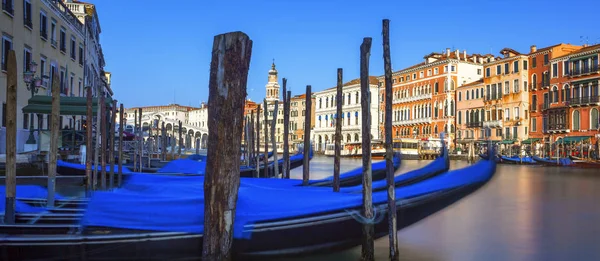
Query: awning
(507, 142)
(572, 139)
(64, 109)
(530, 140)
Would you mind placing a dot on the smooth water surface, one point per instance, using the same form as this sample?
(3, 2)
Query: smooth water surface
(523, 213)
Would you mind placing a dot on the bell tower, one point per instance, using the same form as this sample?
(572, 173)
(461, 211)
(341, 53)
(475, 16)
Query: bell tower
(272, 85)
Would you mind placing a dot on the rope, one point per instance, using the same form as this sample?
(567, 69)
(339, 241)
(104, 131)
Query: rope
(355, 214)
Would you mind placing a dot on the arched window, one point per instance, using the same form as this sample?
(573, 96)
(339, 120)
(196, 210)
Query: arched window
(348, 138)
(436, 88)
(554, 94)
(594, 120)
(452, 107)
(576, 120)
(356, 137)
(481, 115)
(435, 110)
(435, 129)
(534, 80)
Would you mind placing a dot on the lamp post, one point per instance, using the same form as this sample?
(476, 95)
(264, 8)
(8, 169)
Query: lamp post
(33, 84)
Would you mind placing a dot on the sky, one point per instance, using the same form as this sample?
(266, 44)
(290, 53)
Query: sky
(159, 52)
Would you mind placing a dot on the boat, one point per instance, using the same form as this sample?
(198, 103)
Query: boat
(584, 163)
(136, 223)
(553, 161)
(518, 160)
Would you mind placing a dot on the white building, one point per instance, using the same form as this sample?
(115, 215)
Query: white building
(325, 112)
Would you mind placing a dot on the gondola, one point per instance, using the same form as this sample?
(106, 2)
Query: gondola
(584, 163)
(553, 162)
(518, 160)
(268, 222)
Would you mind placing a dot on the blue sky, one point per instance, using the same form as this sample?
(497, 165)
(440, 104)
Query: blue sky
(159, 51)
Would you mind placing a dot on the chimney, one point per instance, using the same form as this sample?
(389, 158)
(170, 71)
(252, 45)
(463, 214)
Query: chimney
(533, 49)
(447, 52)
(457, 52)
(585, 45)
(465, 54)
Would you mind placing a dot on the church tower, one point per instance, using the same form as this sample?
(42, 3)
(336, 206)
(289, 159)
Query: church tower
(272, 85)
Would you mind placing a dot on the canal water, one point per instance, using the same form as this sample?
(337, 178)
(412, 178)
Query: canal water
(523, 213)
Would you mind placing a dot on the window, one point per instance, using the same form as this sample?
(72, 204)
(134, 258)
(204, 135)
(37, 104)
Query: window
(453, 68)
(506, 67)
(460, 96)
(53, 33)
(524, 65)
(487, 72)
(594, 120)
(524, 85)
(498, 69)
(467, 96)
(27, 14)
(555, 94)
(576, 123)
(9, 7)
(429, 72)
(63, 40)
(73, 48)
(42, 68)
(460, 117)
(6, 47)
(516, 85)
(51, 74)
(506, 87)
(81, 55)
(516, 113)
(435, 71)
(516, 66)
(420, 74)
(478, 71)
(43, 26)
(554, 70)
(566, 68)
(533, 62)
(26, 59)
(515, 132)
(414, 76)
(507, 113)
(546, 59)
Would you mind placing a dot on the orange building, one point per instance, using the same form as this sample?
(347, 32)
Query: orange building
(424, 95)
(470, 112)
(549, 95)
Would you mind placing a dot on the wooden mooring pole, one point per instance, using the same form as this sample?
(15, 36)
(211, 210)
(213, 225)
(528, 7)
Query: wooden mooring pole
(266, 168)
(252, 137)
(179, 141)
(121, 123)
(88, 142)
(227, 92)
(54, 131)
(338, 132)
(103, 144)
(11, 138)
(163, 146)
(257, 168)
(286, 132)
(141, 143)
(135, 149)
(111, 151)
(273, 125)
(389, 153)
(307, 118)
(365, 99)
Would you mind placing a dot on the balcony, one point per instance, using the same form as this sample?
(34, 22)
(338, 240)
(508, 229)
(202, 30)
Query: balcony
(582, 101)
(426, 120)
(492, 124)
(475, 124)
(585, 71)
(59, 7)
(556, 128)
(412, 98)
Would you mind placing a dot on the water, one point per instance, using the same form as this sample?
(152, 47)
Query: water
(523, 213)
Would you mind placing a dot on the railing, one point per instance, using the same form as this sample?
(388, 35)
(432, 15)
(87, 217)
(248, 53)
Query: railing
(413, 98)
(415, 121)
(60, 7)
(492, 124)
(556, 127)
(582, 71)
(584, 100)
(474, 124)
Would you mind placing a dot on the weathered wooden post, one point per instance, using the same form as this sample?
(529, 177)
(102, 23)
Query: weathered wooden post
(163, 147)
(251, 141)
(227, 92)
(257, 169)
(273, 124)
(286, 132)
(179, 141)
(54, 131)
(141, 142)
(389, 153)
(99, 133)
(103, 146)
(135, 147)
(266, 168)
(11, 138)
(121, 123)
(365, 100)
(338, 132)
(88, 141)
(305, 164)
(111, 152)
(287, 165)
(246, 141)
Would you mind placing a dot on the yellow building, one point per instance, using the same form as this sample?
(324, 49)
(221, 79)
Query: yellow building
(49, 34)
(507, 97)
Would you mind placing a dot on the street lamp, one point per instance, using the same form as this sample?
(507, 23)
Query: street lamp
(33, 84)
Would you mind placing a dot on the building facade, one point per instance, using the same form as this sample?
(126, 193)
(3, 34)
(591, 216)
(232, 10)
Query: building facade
(325, 114)
(49, 34)
(506, 97)
(470, 112)
(424, 95)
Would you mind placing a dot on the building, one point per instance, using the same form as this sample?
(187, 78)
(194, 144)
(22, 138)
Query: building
(424, 95)
(325, 114)
(549, 115)
(50, 34)
(298, 119)
(506, 97)
(570, 96)
(470, 112)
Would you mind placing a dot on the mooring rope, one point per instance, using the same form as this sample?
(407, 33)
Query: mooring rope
(355, 214)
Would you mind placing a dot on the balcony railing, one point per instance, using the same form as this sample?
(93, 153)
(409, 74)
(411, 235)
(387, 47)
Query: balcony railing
(583, 71)
(474, 124)
(492, 124)
(413, 121)
(584, 100)
(60, 7)
(556, 127)
(413, 98)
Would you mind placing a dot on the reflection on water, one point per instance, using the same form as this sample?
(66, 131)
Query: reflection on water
(523, 213)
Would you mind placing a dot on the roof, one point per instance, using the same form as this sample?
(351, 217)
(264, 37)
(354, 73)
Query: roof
(582, 50)
(372, 80)
(472, 83)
